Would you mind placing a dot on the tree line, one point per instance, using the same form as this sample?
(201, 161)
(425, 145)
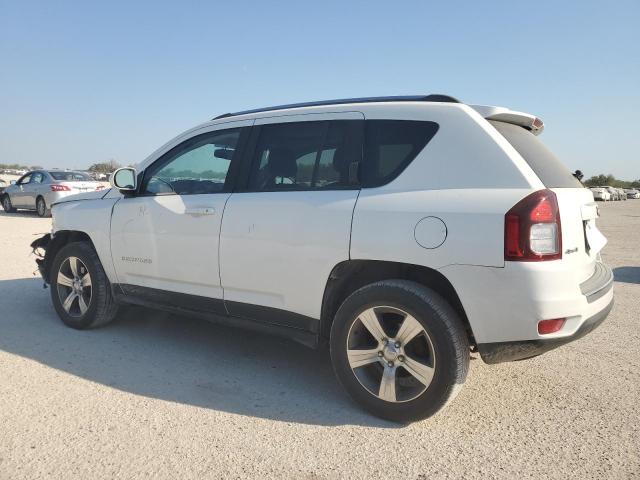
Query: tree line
(17, 166)
(610, 181)
(100, 167)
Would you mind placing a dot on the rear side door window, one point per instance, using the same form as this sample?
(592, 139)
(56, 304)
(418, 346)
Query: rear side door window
(390, 146)
(313, 155)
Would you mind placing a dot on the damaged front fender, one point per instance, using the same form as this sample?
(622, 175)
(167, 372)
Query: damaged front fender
(39, 248)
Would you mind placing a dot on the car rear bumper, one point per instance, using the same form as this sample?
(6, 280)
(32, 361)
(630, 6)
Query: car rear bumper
(505, 305)
(499, 352)
(52, 197)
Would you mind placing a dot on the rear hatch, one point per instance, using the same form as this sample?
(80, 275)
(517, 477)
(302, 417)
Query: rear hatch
(581, 239)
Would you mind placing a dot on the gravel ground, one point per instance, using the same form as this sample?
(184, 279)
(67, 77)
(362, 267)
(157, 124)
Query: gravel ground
(154, 395)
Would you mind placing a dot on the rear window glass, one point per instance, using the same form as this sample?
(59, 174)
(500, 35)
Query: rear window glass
(551, 171)
(390, 145)
(71, 176)
(306, 155)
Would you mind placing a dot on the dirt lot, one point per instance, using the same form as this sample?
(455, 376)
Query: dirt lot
(154, 395)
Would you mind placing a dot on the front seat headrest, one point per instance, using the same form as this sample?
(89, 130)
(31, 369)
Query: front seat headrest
(282, 162)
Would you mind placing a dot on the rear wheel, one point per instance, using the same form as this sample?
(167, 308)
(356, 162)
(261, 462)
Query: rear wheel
(80, 290)
(41, 208)
(399, 350)
(7, 205)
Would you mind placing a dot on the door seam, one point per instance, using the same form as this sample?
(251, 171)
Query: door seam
(224, 301)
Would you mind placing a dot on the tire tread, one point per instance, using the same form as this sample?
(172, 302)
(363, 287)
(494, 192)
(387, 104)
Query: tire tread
(453, 329)
(107, 308)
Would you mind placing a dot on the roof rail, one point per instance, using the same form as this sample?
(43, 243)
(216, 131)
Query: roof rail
(406, 98)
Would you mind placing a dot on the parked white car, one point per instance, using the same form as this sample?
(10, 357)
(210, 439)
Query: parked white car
(600, 193)
(614, 192)
(407, 232)
(622, 194)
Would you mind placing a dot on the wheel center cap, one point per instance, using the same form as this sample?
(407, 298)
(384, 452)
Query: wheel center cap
(390, 352)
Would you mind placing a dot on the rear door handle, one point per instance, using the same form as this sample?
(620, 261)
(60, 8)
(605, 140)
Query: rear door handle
(196, 211)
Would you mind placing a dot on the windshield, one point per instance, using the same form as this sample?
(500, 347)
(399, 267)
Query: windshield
(551, 171)
(71, 176)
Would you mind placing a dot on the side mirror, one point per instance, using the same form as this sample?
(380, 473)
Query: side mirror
(12, 182)
(124, 179)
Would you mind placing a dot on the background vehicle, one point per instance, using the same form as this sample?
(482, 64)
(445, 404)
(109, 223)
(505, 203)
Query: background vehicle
(614, 192)
(600, 193)
(622, 194)
(37, 190)
(632, 193)
(386, 227)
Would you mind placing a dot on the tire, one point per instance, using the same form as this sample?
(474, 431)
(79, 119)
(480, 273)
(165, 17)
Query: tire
(7, 205)
(41, 208)
(100, 307)
(441, 346)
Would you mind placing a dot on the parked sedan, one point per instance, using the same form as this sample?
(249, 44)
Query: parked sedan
(39, 189)
(600, 193)
(632, 193)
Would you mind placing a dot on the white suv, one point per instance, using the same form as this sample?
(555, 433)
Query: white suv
(405, 231)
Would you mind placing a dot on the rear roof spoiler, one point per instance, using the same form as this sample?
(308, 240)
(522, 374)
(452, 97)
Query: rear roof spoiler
(501, 114)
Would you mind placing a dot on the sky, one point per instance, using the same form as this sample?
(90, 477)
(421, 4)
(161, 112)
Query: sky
(84, 82)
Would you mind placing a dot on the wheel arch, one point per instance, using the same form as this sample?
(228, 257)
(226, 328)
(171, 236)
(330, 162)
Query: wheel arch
(62, 238)
(348, 276)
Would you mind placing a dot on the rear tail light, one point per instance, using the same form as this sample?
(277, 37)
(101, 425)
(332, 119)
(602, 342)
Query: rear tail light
(532, 229)
(546, 327)
(99, 187)
(60, 188)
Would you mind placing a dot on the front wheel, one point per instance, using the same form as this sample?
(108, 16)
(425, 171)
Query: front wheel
(6, 204)
(80, 290)
(399, 350)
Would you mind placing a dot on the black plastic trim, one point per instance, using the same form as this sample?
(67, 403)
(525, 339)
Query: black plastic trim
(499, 352)
(162, 298)
(599, 284)
(403, 98)
(299, 328)
(274, 316)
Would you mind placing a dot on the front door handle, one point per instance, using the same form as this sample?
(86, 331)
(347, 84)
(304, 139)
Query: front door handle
(197, 211)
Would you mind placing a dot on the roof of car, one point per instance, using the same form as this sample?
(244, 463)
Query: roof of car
(436, 97)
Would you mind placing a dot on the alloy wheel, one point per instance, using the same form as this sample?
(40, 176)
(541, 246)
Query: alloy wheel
(74, 286)
(391, 354)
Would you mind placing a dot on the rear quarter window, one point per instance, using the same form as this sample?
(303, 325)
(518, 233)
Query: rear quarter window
(390, 146)
(549, 169)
